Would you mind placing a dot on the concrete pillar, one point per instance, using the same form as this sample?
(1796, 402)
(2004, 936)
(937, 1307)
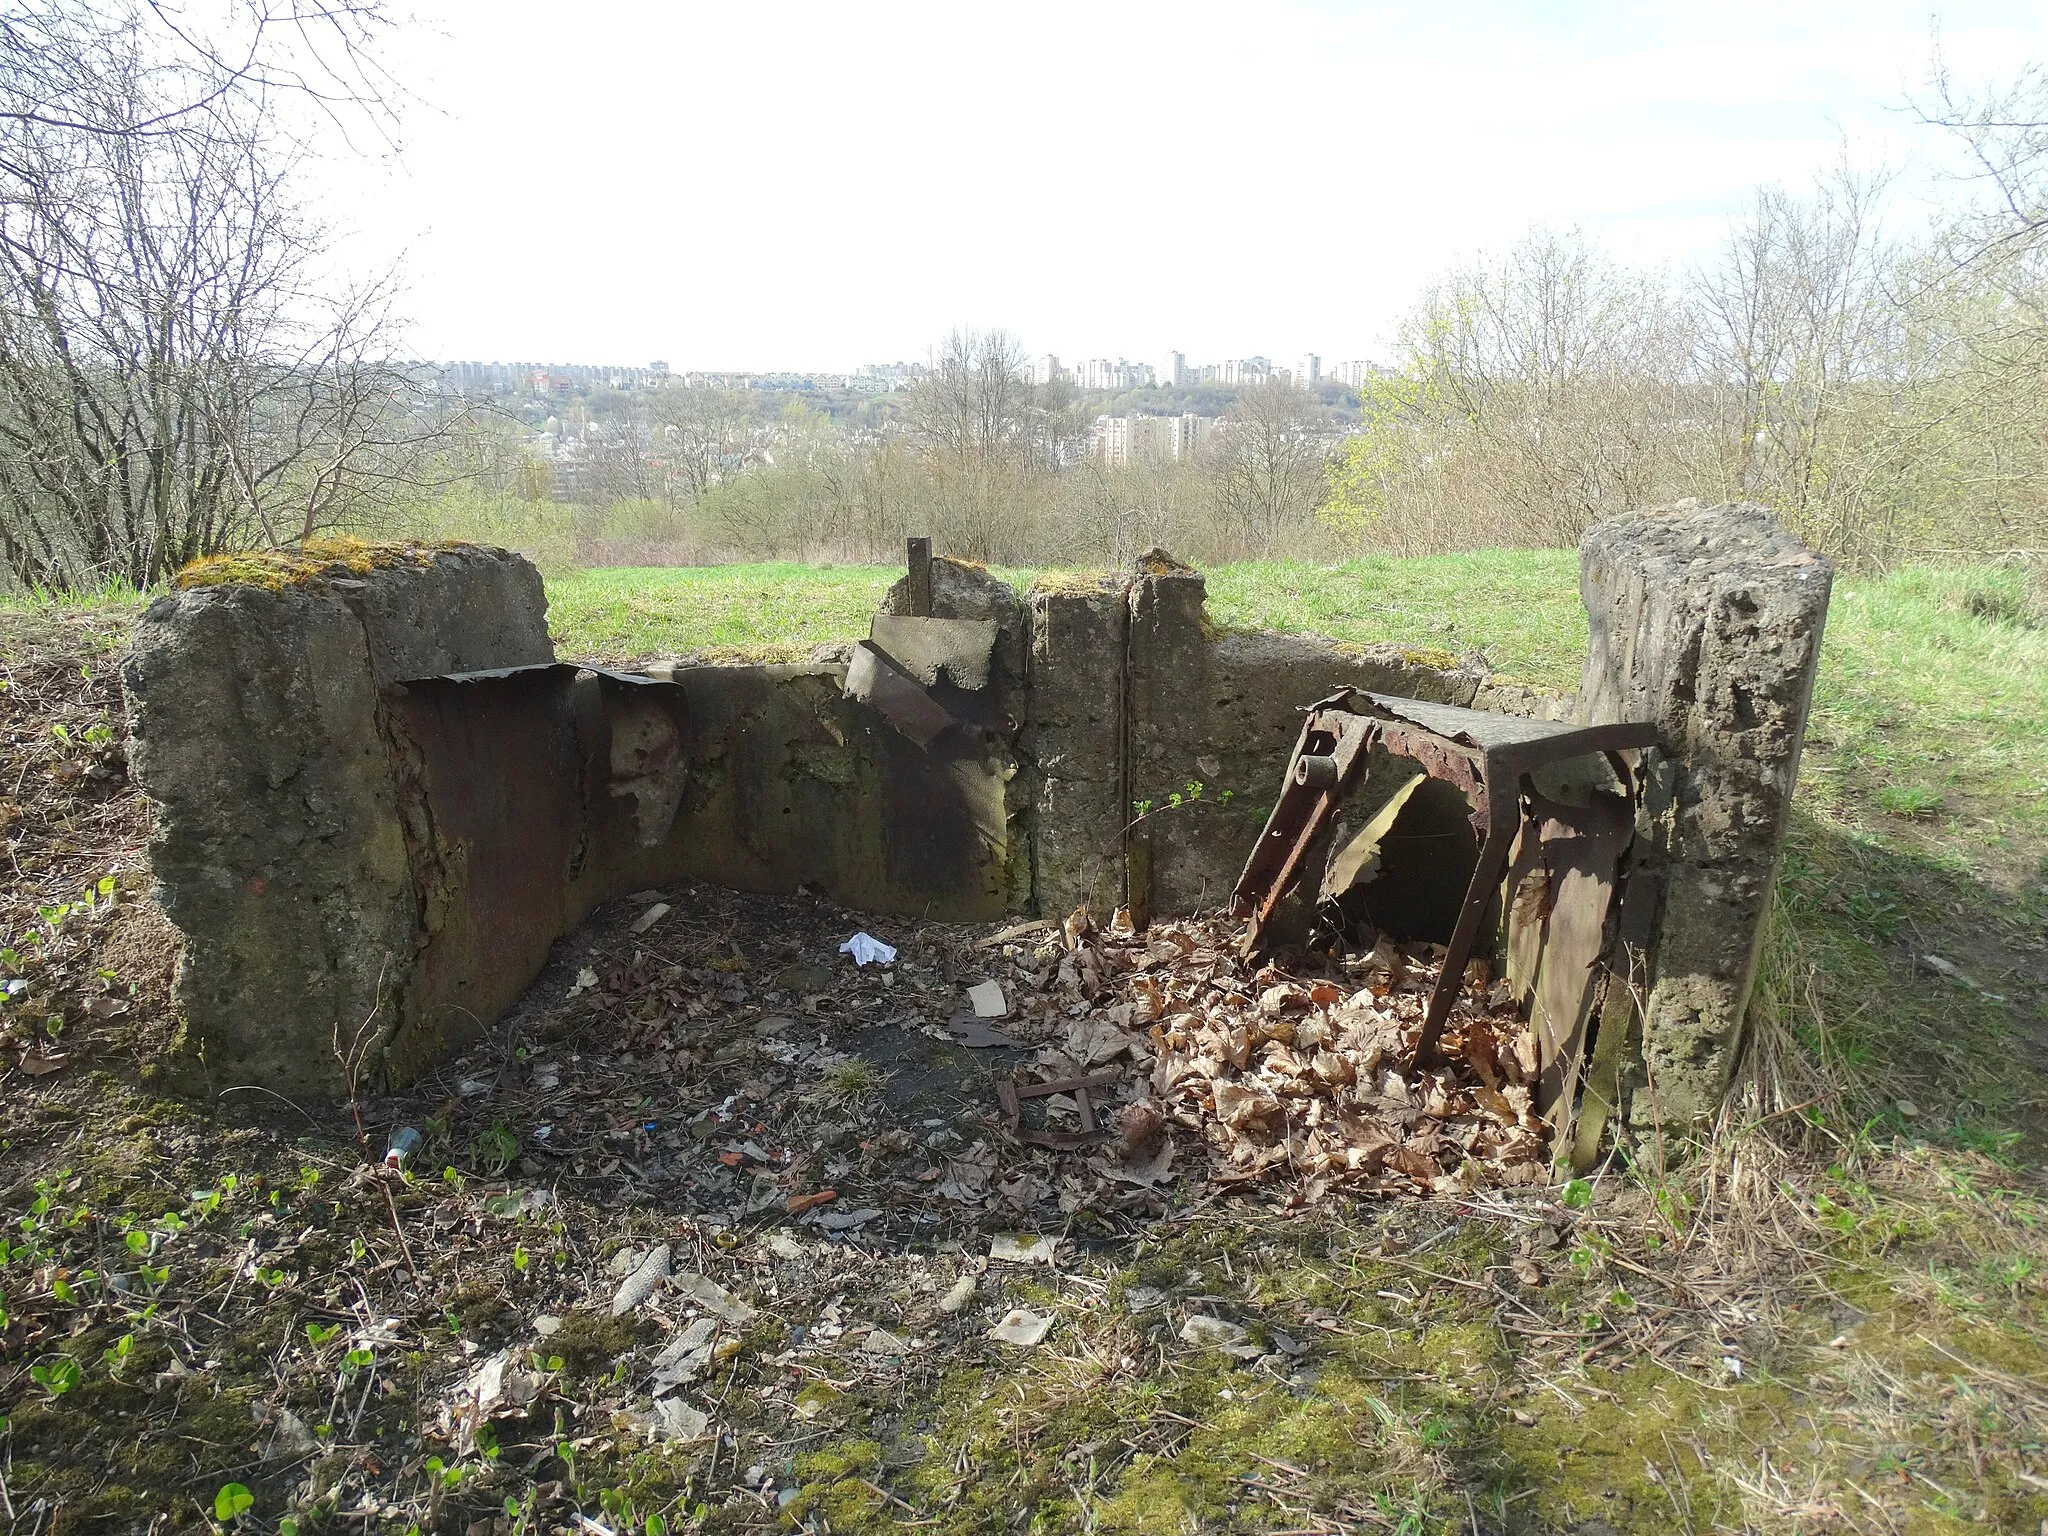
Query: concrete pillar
(1708, 622)
(254, 717)
(1073, 741)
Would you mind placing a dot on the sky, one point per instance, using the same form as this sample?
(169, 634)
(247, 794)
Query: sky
(788, 185)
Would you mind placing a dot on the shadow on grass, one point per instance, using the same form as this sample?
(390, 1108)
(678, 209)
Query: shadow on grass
(1916, 982)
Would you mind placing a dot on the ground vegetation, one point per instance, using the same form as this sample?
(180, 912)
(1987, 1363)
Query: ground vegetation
(1832, 1316)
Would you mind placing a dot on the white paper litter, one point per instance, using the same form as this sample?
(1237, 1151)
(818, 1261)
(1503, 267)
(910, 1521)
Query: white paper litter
(650, 917)
(585, 980)
(675, 1419)
(712, 1297)
(496, 1383)
(642, 1283)
(988, 1000)
(1021, 1327)
(1036, 1248)
(866, 949)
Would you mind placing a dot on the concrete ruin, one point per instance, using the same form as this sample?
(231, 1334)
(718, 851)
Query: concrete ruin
(380, 798)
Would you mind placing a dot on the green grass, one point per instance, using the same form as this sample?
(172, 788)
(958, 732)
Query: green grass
(1521, 607)
(781, 608)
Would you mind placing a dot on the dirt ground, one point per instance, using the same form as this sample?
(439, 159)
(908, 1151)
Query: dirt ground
(721, 1232)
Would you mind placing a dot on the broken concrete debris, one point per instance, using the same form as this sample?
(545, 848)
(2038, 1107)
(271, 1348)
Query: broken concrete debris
(1022, 1326)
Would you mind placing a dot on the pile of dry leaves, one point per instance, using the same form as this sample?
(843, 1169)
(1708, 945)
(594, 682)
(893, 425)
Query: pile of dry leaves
(1311, 1078)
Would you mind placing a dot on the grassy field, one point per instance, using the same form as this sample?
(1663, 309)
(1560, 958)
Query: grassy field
(1520, 607)
(1833, 1317)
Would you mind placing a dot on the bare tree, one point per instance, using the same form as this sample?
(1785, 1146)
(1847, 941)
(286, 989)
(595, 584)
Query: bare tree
(701, 437)
(74, 66)
(177, 374)
(1797, 314)
(988, 440)
(1269, 464)
(2004, 134)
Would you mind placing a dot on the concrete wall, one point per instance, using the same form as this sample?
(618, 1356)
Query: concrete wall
(333, 808)
(255, 725)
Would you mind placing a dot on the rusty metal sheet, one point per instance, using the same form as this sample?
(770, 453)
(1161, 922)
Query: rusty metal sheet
(875, 679)
(494, 822)
(1558, 929)
(956, 651)
(525, 794)
(920, 577)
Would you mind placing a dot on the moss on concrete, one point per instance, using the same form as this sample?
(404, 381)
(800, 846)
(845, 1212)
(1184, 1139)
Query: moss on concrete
(308, 564)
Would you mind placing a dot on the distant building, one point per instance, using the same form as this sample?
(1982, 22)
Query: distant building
(1046, 369)
(1174, 372)
(1125, 439)
(1114, 377)
(1309, 371)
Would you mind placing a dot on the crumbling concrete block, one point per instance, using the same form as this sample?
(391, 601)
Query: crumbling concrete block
(254, 726)
(791, 784)
(1708, 622)
(1073, 740)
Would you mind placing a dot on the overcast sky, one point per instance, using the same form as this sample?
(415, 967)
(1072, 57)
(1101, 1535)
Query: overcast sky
(814, 186)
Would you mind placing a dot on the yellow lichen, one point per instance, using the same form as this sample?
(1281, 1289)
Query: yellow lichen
(308, 564)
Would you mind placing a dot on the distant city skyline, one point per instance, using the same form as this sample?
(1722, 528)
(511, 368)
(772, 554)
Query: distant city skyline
(1094, 374)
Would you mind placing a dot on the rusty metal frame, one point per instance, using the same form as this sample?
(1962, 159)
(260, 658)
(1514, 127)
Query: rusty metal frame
(1488, 756)
(1012, 1091)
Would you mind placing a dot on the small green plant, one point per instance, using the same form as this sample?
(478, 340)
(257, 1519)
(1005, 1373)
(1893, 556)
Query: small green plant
(116, 1357)
(494, 1148)
(849, 1084)
(232, 1502)
(57, 1376)
(1909, 800)
(318, 1334)
(1875, 911)
(1577, 1196)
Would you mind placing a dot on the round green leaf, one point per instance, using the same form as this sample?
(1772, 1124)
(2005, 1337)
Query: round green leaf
(233, 1500)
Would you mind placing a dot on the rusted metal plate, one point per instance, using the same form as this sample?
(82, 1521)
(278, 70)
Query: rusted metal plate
(495, 830)
(875, 678)
(1558, 928)
(955, 651)
(528, 795)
